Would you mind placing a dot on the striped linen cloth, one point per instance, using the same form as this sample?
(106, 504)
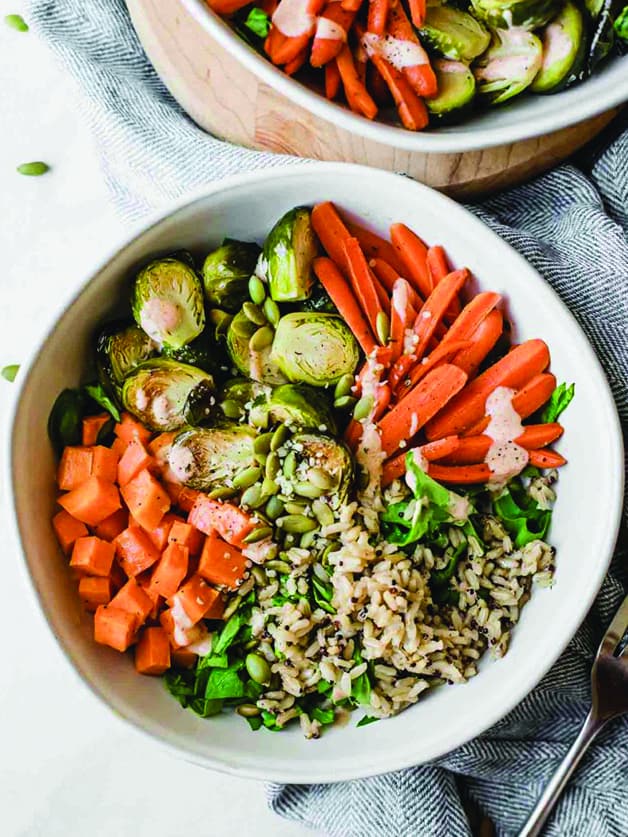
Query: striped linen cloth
(572, 225)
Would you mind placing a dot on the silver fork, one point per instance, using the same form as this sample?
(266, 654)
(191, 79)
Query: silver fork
(609, 687)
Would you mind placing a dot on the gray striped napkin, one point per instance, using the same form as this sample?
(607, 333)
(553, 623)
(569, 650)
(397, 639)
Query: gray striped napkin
(571, 224)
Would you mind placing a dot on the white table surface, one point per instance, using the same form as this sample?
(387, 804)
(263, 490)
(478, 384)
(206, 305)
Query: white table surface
(68, 767)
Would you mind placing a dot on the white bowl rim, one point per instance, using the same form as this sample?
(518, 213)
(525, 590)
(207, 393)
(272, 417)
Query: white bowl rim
(288, 773)
(580, 108)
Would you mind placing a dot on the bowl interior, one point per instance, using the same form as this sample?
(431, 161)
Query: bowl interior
(583, 530)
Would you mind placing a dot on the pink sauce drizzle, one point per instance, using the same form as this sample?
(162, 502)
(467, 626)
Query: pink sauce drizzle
(505, 457)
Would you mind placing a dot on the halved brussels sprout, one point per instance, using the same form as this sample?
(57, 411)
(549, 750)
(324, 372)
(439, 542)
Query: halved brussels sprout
(515, 14)
(564, 48)
(167, 302)
(165, 395)
(453, 33)
(332, 456)
(210, 457)
(256, 365)
(287, 257)
(202, 353)
(300, 406)
(314, 348)
(456, 90)
(226, 274)
(120, 347)
(509, 65)
(319, 300)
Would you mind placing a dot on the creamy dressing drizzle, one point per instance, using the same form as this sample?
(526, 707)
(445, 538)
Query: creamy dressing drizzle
(400, 54)
(400, 299)
(293, 19)
(505, 457)
(180, 460)
(181, 622)
(369, 454)
(330, 30)
(556, 45)
(202, 645)
(159, 315)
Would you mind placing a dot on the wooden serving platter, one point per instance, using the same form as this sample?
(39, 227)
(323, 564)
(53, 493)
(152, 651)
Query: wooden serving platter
(226, 99)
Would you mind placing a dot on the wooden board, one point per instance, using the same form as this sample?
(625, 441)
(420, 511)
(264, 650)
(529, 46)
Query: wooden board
(227, 100)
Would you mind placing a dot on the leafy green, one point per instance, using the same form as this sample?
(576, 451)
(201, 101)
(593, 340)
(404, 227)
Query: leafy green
(224, 683)
(65, 419)
(521, 515)
(621, 24)
(97, 393)
(323, 716)
(322, 593)
(361, 686)
(323, 687)
(206, 707)
(258, 22)
(559, 400)
(9, 372)
(270, 721)
(180, 685)
(16, 22)
(227, 636)
(439, 578)
(366, 720)
(254, 722)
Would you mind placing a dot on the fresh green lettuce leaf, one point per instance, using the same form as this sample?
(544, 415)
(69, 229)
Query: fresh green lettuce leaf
(558, 403)
(258, 22)
(366, 720)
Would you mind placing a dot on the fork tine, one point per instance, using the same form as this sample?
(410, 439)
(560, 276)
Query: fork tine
(616, 630)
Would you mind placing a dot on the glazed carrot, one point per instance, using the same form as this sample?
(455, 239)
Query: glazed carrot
(382, 401)
(437, 264)
(399, 316)
(485, 337)
(526, 401)
(411, 109)
(109, 528)
(440, 354)
(338, 289)
(114, 627)
(332, 80)
(420, 405)
(331, 231)
(420, 75)
(130, 429)
(152, 652)
(362, 282)
(382, 294)
(357, 95)
(332, 29)
(93, 501)
(460, 475)
(546, 459)
(226, 7)
(68, 530)
(184, 534)
(134, 459)
(418, 11)
(135, 550)
(74, 468)
(376, 247)
(92, 556)
(378, 16)
(231, 522)
(514, 370)
(104, 463)
(92, 425)
(297, 62)
(133, 599)
(393, 469)
(396, 467)
(146, 499)
(413, 252)
(94, 591)
(220, 563)
(473, 449)
(435, 306)
(386, 274)
(170, 571)
(199, 600)
(467, 322)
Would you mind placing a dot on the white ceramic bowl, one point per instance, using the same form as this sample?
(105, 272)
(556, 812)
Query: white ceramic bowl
(584, 527)
(524, 117)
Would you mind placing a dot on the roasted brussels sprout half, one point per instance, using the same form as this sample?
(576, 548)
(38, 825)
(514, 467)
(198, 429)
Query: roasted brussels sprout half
(202, 353)
(456, 90)
(509, 65)
(564, 49)
(165, 395)
(313, 348)
(256, 365)
(287, 257)
(120, 347)
(515, 14)
(238, 394)
(210, 457)
(300, 406)
(319, 300)
(167, 302)
(317, 451)
(453, 33)
(226, 274)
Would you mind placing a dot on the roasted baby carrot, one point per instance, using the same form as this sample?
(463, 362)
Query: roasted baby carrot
(332, 29)
(435, 306)
(399, 316)
(483, 340)
(419, 370)
(338, 289)
(332, 80)
(546, 459)
(473, 449)
(460, 475)
(418, 10)
(471, 316)
(432, 451)
(526, 400)
(376, 247)
(378, 16)
(420, 75)
(332, 232)
(413, 252)
(358, 97)
(362, 282)
(411, 109)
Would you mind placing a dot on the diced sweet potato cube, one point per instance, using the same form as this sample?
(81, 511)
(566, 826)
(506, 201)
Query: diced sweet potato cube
(109, 528)
(220, 563)
(170, 571)
(181, 496)
(198, 600)
(186, 535)
(130, 429)
(147, 500)
(134, 459)
(93, 501)
(231, 523)
(159, 535)
(92, 556)
(135, 600)
(152, 654)
(136, 552)
(74, 468)
(68, 530)
(104, 463)
(114, 627)
(94, 591)
(183, 658)
(92, 425)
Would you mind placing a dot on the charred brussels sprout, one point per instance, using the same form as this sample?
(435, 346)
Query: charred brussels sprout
(514, 14)
(509, 65)
(120, 347)
(210, 457)
(257, 365)
(300, 406)
(167, 302)
(564, 49)
(237, 394)
(165, 395)
(287, 258)
(226, 274)
(316, 451)
(313, 348)
(456, 90)
(319, 300)
(202, 353)
(453, 33)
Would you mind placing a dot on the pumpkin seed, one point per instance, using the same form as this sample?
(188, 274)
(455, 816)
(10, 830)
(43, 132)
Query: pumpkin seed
(271, 309)
(258, 668)
(269, 488)
(278, 566)
(257, 290)
(254, 313)
(289, 540)
(274, 508)
(382, 327)
(296, 524)
(231, 608)
(262, 338)
(307, 489)
(294, 507)
(321, 479)
(252, 497)
(248, 710)
(344, 402)
(273, 466)
(16, 22)
(222, 493)
(307, 539)
(281, 435)
(35, 169)
(258, 534)
(290, 464)
(231, 408)
(262, 443)
(259, 575)
(344, 386)
(322, 513)
(243, 328)
(244, 479)
(259, 417)
(363, 408)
